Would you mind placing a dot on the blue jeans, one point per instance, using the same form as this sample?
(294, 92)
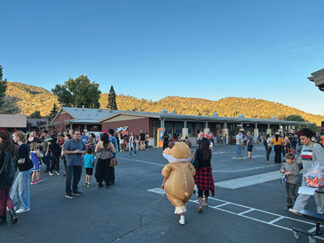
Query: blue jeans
(20, 193)
(238, 149)
(131, 148)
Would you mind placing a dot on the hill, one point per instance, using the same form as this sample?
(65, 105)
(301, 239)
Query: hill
(31, 98)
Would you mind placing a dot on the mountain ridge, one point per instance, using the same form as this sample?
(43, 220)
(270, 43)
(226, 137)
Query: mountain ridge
(32, 98)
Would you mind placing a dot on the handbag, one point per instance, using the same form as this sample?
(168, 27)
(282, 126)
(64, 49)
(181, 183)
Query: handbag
(113, 162)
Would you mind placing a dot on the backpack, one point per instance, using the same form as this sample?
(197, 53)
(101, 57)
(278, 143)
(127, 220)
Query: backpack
(265, 143)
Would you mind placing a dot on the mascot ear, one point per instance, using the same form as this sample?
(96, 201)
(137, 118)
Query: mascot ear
(171, 144)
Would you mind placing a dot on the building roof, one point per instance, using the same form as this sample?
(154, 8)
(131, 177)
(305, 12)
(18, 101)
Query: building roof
(214, 118)
(86, 115)
(13, 121)
(318, 78)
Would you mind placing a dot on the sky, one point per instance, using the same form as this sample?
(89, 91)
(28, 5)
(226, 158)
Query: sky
(156, 48)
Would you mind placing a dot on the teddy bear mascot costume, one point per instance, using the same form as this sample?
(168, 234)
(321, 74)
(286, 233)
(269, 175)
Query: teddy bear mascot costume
(178, 182)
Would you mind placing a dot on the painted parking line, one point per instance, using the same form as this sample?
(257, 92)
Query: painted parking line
(249, 180)
(214, 171)
(247, 212)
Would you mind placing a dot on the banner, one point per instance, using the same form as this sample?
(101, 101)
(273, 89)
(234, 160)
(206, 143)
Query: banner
(159, 137)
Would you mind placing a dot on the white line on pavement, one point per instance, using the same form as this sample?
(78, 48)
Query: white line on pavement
(250, 209)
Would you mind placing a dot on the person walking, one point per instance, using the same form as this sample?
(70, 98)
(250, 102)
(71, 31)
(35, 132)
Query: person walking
(268, 146)
(249, 145)
(8, 167)
(277, 141)
(73, 149)
(239, 144)
(131, 145)
(310, 153)
(203, 177)
(105, 151)
(20, 193)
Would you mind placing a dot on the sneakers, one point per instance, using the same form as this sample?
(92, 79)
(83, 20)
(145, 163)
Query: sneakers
(86, 183)
(22, 210)
(58, 173)
(69, 196)
(77, 193)
(50, 173)
(182, 220)
(64, 174)
(294, 211)
(40, 180)
(33, 183)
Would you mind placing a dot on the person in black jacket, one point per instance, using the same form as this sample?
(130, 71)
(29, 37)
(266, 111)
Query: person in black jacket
(8, 167)
(203, 177)
(20, 193)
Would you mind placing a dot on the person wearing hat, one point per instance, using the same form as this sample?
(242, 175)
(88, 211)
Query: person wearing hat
(178, 182)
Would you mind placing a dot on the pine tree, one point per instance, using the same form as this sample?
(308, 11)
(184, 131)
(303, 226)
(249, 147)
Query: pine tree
(53, 112)
(3, 88)
(112, 105)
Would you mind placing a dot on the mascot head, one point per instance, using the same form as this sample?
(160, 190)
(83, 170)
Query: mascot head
(177, 152)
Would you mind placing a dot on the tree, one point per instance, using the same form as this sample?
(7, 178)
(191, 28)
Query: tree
(112, 104)
(78, 92)
(3, 88)
(297, 118)
(53, 112)
(35, 114)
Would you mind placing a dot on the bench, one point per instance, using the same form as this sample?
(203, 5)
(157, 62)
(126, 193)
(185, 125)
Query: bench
(317, 218)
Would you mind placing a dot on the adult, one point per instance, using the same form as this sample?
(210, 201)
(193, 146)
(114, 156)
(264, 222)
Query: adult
(142, 140)
(113, 140)
(310, 153)
(32, 138)
(239, 144)
(268, 146)
(249, 145)
(131, 145)
(165, 140)
(55, 151)
(203, 177)
(46, 155)
(277, 141)
(105, 151)
(20, 193)
(73, 149)
(322, 140)
(8, 167)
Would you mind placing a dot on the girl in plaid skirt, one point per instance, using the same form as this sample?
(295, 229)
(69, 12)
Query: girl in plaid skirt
(203, 177)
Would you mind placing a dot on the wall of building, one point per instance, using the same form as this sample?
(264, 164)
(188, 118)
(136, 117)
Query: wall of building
(133, 125)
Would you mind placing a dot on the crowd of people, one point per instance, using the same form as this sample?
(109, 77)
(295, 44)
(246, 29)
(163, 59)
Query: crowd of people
(23, 155)
(26, 154)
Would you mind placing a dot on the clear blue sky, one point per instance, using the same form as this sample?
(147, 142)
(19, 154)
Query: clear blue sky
(157, 48)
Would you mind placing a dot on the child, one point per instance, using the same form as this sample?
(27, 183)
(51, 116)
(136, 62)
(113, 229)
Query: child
(88, 165)
(34, 156)
(291, 172)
